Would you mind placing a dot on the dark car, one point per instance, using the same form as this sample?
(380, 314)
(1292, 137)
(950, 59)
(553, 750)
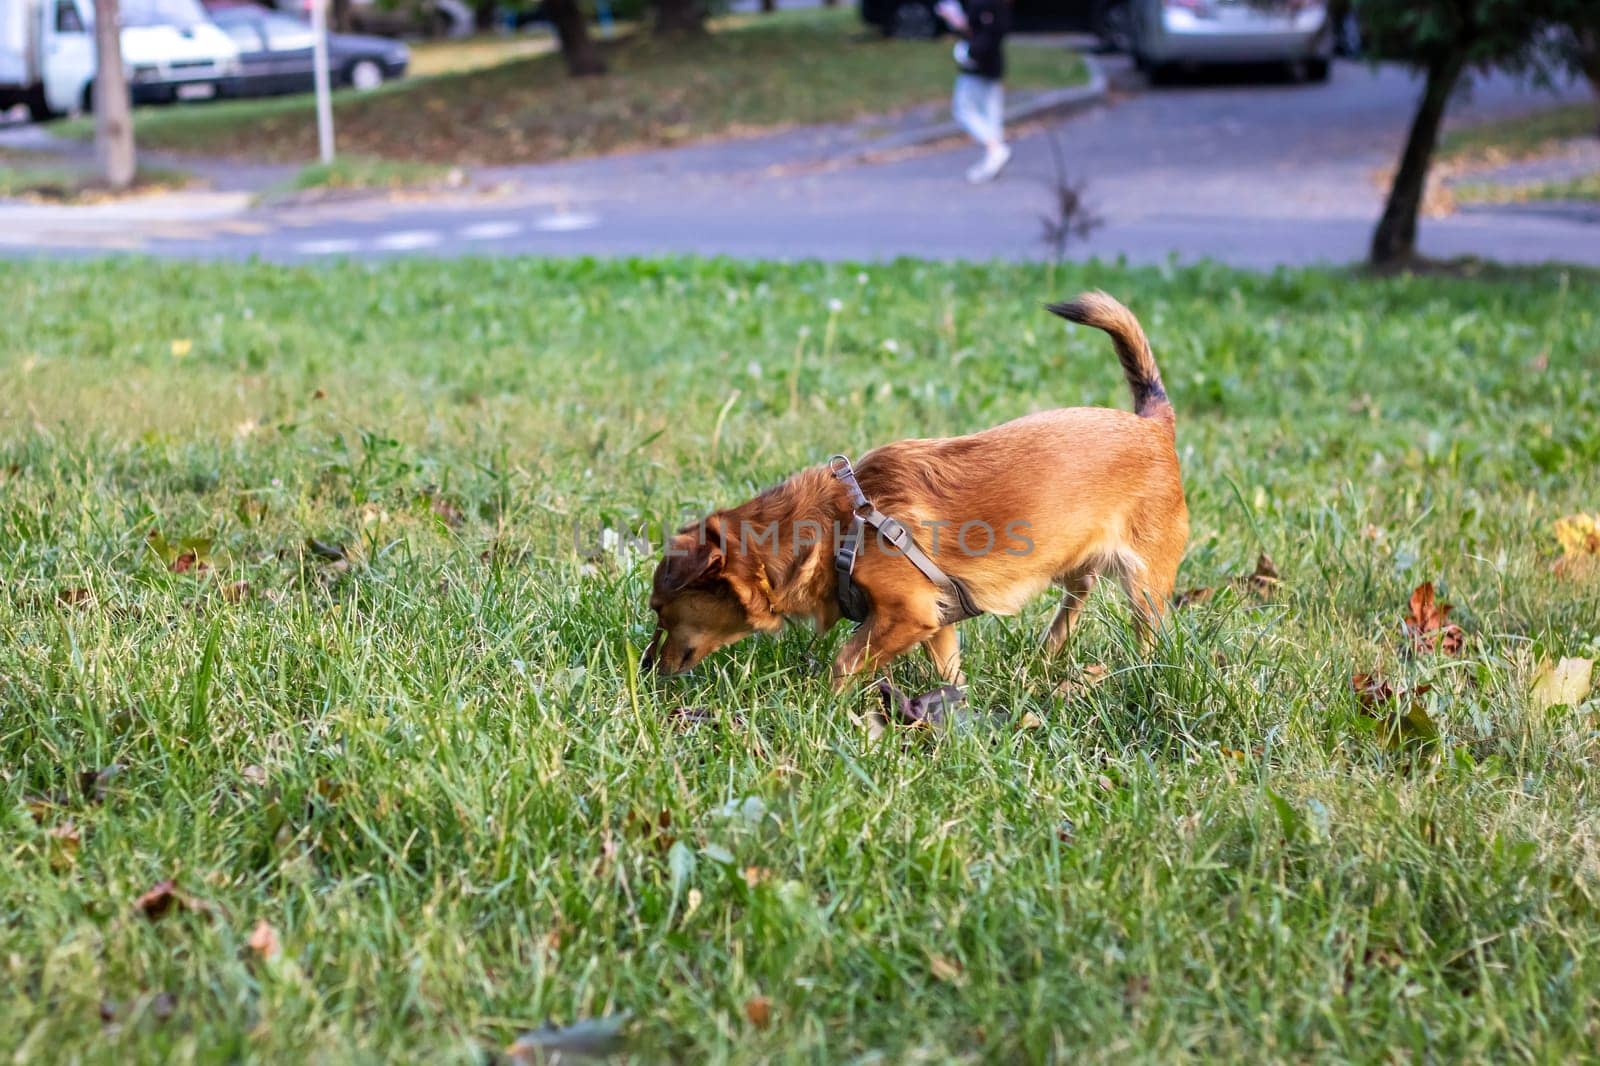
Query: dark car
(1110, 20)
(275, 53)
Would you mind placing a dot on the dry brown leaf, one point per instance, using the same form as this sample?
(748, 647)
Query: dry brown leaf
(159, 900)
(1260, 583)
(1402, 715)
(186, 561)
(947, 970)
(1031, 721)
(1088, 677)
(755, 875)
(263, 942)
(759, 1010)
(75, 597)
(236, 591)
(1427, 623)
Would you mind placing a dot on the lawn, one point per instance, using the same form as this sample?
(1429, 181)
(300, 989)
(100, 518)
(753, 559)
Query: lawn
(43, 177)
(312, 610)
(782, 70)
(1523, 137)
(1586, 187)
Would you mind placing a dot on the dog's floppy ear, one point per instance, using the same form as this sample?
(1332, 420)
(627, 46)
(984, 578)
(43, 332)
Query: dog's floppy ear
(694, 556)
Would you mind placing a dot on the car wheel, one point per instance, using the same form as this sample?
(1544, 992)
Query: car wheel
(39, 107)
(914, 21)
(1317, 70)
(364, 74)
(1113, 24)
(88, 99)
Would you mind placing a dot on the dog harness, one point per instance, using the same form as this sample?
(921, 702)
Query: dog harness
(854, 603)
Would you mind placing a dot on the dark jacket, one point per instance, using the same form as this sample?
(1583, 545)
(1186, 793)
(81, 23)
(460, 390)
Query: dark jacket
(988, 22)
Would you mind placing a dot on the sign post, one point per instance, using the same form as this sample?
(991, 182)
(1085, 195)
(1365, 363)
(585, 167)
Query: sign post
(319, 62)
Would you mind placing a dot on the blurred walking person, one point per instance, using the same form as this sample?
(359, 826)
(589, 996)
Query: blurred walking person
(979, 101)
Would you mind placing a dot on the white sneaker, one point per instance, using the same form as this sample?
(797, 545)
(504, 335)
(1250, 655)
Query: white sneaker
(993, 162)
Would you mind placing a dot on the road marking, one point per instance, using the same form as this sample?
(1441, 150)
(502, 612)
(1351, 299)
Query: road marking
(566, 222)
(489, 231)
(407, 240)
(327, 247)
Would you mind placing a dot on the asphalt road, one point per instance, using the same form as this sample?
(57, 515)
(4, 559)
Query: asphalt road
(1254, 173)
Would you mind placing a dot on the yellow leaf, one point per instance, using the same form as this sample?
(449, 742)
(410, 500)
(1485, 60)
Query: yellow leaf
(181, 347)
(1579, 534)
(1565, 682)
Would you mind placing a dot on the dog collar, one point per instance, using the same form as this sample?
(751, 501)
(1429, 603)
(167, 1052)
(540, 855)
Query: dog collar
(854, 602)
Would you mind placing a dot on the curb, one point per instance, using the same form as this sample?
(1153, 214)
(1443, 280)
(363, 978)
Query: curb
(1053, 102)
(1580, 211)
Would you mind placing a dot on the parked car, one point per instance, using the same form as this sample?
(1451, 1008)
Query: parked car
(1169, 34)
(170, 51)
(275, 53)
(1107, 19)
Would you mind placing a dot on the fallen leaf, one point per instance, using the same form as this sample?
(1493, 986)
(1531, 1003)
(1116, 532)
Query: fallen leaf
(1260, 583)
(163, 1005)
(164, 898)
(186, 561)
(1030, 721)
(442, 509)
(75, 597)
(158, 901)
(263, 941)
(1567, 681)
(255, 775)
(759, 1010)
(947, 970)
(1402, 715)
(319, 394)
(236, 591)
(1427, 623)
(594, 1038)
(333, 553)
(1579, 537)
(686, 718)
(755, 875)
(182, 347)
(64, 843)
(1088, 677)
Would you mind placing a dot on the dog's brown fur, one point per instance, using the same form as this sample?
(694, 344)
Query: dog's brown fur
(1098, 489)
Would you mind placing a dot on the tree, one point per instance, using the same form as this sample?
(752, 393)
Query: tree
(680, 18)
(113, 121)
(572, 30)
(1446, 40)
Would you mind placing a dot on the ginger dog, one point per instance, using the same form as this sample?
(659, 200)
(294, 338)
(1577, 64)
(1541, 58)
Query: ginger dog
(1055, 498)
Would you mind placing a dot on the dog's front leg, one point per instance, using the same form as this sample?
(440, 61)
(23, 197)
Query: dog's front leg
(944, 648)
(881, 640)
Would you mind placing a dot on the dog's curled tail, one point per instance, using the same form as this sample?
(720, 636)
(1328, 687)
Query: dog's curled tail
(1133, 350)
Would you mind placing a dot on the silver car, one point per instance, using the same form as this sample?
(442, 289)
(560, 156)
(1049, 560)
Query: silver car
(1170, 34)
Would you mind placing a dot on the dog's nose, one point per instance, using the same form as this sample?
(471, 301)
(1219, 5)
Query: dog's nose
(650, 660)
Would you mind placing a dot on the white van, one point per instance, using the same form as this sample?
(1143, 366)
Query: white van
(171, 50)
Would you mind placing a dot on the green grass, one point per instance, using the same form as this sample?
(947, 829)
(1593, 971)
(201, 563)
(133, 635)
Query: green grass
(431, 768)
(1522, 137)
(364, 172)
(43, 177)
(1582, 188)
(785, 69)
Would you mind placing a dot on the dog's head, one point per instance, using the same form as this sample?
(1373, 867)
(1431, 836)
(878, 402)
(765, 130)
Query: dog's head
(702, 598)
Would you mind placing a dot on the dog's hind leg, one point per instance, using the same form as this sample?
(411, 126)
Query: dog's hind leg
(944, 649)
(1076, 587)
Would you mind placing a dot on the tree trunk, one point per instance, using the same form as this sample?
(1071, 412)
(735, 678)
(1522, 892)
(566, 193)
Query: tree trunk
(1395, 239)
(577, 48)
(339, 16)
(113, 124)
(483, 15)
(679, 18)
(1589, 63)
(768, 6)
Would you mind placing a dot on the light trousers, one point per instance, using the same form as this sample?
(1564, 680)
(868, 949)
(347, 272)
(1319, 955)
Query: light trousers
(979, 108)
